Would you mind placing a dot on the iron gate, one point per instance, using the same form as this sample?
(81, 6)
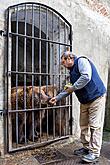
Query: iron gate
(36, 37)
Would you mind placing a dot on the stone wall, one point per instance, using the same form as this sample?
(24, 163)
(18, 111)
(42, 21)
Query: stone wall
(91, 37)
(103, 8)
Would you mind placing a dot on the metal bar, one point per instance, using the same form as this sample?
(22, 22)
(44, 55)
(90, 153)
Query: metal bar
(59, 76)
(17, 76)
(9, 126)
(53, 118)
(53, 59)
(47, 124)
(43, 5)
(40, 68)
(53, 123)
(25, 71)
(40, 39)
(71, 113)
(37, 144)
(36, 73)
(33, 132)
(60, 121)
(46, 108)
(66, 113)
(65, 33)
(47, 65)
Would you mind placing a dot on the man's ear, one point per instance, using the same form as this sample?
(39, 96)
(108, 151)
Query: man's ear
(62, 60)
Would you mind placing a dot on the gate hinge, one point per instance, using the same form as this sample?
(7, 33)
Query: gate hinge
(2, 33)
(3, 112)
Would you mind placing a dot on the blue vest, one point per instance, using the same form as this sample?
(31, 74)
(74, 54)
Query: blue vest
(93, 89)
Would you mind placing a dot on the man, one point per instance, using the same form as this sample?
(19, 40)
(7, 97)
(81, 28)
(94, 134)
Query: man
(90, 91)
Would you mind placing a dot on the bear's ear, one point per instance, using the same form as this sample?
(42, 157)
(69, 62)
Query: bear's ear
(44, 88)
(49, 88)
(52, 87)
(27, 88)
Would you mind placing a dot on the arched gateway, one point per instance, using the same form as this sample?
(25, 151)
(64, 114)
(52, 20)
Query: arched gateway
(36, 37)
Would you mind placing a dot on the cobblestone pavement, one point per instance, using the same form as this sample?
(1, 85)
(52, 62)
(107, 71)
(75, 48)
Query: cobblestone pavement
(59, 153)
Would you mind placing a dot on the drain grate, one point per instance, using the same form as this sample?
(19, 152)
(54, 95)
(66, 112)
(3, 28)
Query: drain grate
(64, 156)
(49, 156)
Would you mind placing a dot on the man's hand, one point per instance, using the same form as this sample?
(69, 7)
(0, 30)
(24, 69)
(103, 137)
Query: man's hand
(69, 88)
(53, 100)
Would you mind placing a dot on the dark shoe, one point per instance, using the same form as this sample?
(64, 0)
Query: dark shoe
(81, 152)
(90, 158)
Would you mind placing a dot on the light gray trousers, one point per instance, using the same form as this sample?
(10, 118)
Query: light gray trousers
(91, 123)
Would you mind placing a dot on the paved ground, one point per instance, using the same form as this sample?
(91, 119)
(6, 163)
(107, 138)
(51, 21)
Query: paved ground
(59, 153)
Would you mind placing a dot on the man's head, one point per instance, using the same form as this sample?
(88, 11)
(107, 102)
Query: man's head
(67, 59)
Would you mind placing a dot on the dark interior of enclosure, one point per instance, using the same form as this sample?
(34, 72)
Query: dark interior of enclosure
(18, 47)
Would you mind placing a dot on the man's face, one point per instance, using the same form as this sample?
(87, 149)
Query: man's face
(67, 61)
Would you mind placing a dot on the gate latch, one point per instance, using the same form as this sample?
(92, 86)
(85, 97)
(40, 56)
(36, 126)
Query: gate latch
(2, 112)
